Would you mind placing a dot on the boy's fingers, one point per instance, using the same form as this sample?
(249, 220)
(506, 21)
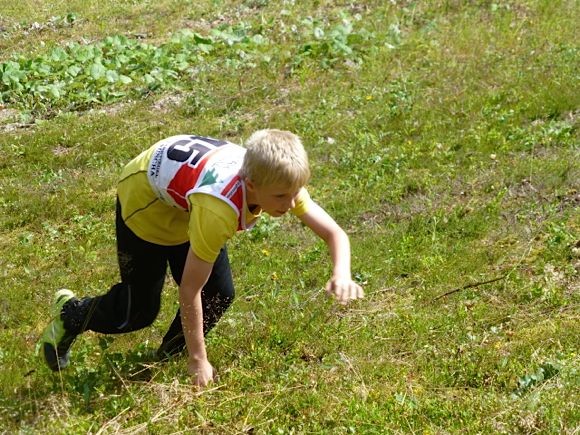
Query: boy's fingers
(344, 291)
(352, 291)
(342, 296)
(359, 292)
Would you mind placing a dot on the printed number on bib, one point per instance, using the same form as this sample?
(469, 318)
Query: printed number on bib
(192, 150)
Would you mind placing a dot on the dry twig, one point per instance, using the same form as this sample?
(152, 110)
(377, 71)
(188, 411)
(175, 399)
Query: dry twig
(472, 285)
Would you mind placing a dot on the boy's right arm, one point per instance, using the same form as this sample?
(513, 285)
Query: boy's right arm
(195, 275)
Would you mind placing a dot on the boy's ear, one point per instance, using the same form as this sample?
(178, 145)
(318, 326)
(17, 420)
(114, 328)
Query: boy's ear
(250, 184)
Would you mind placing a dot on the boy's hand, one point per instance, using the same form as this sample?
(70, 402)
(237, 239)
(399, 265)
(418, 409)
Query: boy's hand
(344, 290)
(202, 372)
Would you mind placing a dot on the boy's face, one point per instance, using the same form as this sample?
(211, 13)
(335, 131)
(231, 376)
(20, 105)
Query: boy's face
(274, 200)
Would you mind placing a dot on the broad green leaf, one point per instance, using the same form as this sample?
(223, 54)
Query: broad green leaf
(84, 54)
(198, 39)
(205, 48)
(73, 70)
(42, 69)
(97, 71)
(148, 79)
(54, 91)
(58, 55)
(125, 79)
(112, 76)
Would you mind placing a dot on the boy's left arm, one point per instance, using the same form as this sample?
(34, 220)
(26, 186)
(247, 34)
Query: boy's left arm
(340, 284)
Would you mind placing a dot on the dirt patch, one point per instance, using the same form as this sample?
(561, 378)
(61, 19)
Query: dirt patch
(113, 109)
(572, 116)
(61, 151)
(570, 199)
(8, 115)
(168, 102)
(8, 128)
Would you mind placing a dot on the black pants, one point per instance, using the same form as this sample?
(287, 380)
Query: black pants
(134, 303)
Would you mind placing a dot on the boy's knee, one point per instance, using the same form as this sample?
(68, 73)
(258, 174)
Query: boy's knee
(141, 315)
(138, 321)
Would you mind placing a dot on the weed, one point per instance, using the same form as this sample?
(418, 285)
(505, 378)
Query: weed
(545, 372)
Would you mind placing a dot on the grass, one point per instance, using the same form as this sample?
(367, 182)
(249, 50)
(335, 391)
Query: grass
(443, 137)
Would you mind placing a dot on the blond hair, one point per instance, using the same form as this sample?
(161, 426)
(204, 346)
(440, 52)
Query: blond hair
(275, 157)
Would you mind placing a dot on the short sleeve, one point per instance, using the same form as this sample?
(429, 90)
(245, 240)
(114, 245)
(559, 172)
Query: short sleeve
(303, 203)
(212, 223)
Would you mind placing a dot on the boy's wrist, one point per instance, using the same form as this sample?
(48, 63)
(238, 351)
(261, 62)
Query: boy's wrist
(341, 275)
(197, 353)
(198, 357)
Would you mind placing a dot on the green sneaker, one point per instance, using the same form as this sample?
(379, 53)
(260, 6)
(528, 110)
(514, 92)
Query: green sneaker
(56, 340)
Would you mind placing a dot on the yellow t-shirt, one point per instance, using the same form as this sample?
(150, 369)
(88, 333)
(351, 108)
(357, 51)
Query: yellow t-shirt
(208, 225)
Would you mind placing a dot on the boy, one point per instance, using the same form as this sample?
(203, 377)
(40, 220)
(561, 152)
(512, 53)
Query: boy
(178, 203)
